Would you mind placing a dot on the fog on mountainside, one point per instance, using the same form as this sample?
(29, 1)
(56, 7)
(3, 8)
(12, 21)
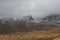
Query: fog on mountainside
(52, 17)
(36, 8)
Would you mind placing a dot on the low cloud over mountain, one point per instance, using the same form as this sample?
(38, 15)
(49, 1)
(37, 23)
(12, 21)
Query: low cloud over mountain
(52, 17)
(36, 8)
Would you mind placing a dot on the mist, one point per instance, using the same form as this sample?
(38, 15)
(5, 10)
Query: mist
(36, 8)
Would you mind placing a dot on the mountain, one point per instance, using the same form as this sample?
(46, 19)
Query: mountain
(29, 17)
(26, 24)
(52, 17)
(5, 19)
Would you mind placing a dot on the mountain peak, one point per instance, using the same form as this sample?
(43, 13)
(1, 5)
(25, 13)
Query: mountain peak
(29, 17)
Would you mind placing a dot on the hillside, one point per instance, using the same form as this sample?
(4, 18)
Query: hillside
(26, 24)
(28, 29)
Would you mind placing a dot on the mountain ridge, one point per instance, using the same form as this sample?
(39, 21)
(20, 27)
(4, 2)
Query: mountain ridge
(52, 17)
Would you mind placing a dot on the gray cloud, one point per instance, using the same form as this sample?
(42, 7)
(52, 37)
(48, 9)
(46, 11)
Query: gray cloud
(36, 8)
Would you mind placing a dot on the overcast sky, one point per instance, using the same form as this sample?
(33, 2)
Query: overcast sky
(36, 8)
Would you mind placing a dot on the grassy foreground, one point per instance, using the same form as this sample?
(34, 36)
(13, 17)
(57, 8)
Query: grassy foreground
(35, 35)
